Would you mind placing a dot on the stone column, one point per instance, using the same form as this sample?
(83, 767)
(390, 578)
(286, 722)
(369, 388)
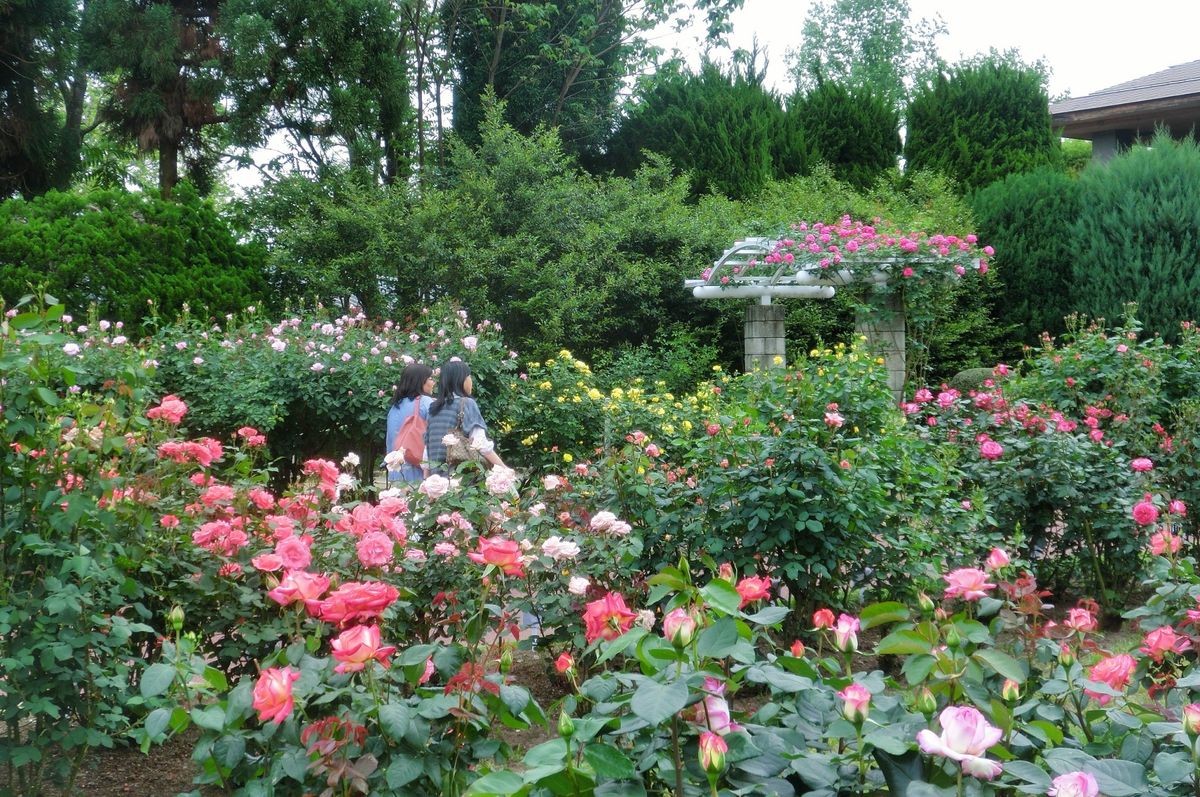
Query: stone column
(764, 337)
(884, 329)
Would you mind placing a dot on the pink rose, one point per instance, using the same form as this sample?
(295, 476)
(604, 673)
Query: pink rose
(356, 600)
(713, 712)
(856, 703)
(966, 736)
(753, 588)
(996, 559)
(1141, 465)
(712, 750)
(1074, 784)
(1145, 513)
(679, 627)
(1164, 640)
(267, 562)
(845, 633)
(170, 409)
(356, 646)
(434, 487)
(1163, 542)
(1081, 620)
(375, 549)
(470, 343)
(1176, 507)
(607, 618)
(294, 553)
(273, 694)
(822, 618)
(299, 586)
(990, 449)
(968, 583)
(504, 554)
(1114, 672)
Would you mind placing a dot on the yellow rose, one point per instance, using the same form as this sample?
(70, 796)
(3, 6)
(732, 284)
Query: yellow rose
(687, 426)
(717, 368)
(595, 394)
(545, 385)
(568, 458)
(617, 393)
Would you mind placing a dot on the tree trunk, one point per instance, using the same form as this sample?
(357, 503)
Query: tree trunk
(168, 166)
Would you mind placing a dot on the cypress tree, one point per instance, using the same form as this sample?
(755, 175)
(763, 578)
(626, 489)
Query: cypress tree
(1028, 218)
(1137, 237)
(985, 120)
(726, 129)
(855, 131)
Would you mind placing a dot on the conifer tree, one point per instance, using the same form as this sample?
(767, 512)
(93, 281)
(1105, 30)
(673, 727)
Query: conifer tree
(855, 131)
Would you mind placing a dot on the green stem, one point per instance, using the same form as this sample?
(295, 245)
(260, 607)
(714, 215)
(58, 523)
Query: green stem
(1087, 529)
(678, 757)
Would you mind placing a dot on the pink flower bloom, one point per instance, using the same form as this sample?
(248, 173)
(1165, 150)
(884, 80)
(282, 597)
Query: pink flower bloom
(856, 702)
(996, 559)
(679, 627)
(712, 752)
(966, 737)
(1081, 620)
(558, 549)
(1163, 541)
(357, 600)
(990, 449)
(170, 409)
(834, 420)
(294, 553)
(434, 487)
(1164, 640)
(968, 583)
(504, 554)
(299, 586)
(1145, 513)
(713, 712)
(753, 588)
(273, 694)
(267, 562)
(470, 343)
(1074, 784)
(501, 480)
(1177, 507)
(845, 633)
(822, 618)
(1141, 465)
(1114, 672)
(356, 646)
(375, 549)
(607, 618)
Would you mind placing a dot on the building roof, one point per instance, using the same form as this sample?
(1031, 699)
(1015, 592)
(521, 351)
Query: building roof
(1170, 97)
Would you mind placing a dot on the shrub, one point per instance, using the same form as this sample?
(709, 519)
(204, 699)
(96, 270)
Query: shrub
(980, 123)
(132, 255)
(73, 606)
(1135, 236)
(1028, 219)
(855, 131)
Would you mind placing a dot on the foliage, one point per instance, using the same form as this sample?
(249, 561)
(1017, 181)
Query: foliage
(327, 76)
(42, 89)
(132, 255)
(1026, 217)
(981, 122)
(1134, 237)
(1076, 155)
(168, 78)
(718, 126)
(866, 44)
(856, 131)
(72, 604)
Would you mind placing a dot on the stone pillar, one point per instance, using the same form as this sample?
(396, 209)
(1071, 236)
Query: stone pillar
(764, 337)
(884, 328)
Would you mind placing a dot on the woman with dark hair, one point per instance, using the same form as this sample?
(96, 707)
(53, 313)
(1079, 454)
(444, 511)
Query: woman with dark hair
(454, 399)
(412, 395)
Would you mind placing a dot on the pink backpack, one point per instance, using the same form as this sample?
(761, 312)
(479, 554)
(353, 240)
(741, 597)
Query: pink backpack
(411, 436)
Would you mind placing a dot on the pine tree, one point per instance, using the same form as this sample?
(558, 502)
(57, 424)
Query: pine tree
(985, 120)
(855, 131)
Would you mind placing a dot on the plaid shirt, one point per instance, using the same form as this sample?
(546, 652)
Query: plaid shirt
(440, 425)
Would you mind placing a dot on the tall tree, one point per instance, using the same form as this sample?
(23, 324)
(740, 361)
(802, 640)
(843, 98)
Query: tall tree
(43, 86)
(988, 118)
(855, 131)
(558, 62)
(169, 73)
(724, 128)
(871, 44)
(330, 75)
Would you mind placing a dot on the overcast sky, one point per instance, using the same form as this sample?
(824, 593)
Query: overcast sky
(1088, 45)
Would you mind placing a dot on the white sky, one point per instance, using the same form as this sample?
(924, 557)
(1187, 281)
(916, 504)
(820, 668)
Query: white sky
(1088, 45)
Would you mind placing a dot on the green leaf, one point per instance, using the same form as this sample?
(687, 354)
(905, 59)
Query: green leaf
(772, 615)
(718, 639)
(1030, 773)
(655, 703)
(157, 679)
(720, 595)
(903, 642)
(394, 718)
(620, 644)
(1003, 664)
(497, 784)
(157, 721)
(211, 718)
(1173, 767)
(47, 396)
(402, 771)
(881, 613)
(608, 761)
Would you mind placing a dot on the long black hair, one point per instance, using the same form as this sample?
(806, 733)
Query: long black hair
(412, 382)
(450, 384)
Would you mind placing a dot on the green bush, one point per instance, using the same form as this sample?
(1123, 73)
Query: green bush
(717, 126)
(1028, 218)
(983, 121)
(1137, 236)
(121, 251)
(855, 131)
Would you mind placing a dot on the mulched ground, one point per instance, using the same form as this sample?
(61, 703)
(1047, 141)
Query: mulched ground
(125, 771)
